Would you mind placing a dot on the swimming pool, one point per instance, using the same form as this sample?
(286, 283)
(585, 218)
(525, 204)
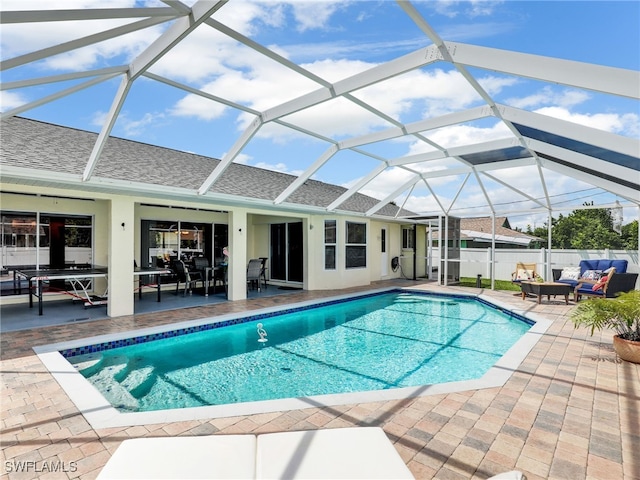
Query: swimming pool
(307, 359)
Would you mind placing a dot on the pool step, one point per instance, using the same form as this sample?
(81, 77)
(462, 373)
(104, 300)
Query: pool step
(87, 364)
(105, 381)
(139, 381)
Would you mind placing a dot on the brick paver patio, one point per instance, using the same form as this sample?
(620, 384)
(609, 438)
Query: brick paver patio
(570, 411)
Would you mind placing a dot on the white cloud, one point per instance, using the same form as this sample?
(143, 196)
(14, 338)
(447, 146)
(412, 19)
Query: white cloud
(135, 128)
(314, 15)
(130, 126)
(278, 167)
(197, 106)
(472, 8)
(548, 96)
(626, 124)
(458, 135)
(11, 100)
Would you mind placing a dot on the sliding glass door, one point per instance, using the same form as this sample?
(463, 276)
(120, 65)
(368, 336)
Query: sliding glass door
(286, 252)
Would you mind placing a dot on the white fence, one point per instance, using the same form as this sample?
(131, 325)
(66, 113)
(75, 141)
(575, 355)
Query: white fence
(477, 261)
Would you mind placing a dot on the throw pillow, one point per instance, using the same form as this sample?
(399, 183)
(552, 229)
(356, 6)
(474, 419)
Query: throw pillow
(523, 274)
(600, 283)
(593, 275)
(570, 273)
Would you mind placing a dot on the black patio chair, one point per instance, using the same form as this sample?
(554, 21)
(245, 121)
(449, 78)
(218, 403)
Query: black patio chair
(254, 272)
(184, 275)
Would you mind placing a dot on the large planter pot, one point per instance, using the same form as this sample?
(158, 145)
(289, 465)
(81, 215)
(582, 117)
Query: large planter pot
(627, 349)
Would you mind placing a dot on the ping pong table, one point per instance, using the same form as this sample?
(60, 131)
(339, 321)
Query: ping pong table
(80, 280)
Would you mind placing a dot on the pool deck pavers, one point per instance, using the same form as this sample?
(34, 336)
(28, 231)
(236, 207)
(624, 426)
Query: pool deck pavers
(571, 410)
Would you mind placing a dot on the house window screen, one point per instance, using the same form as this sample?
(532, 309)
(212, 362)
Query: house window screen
(330, 238)
(356, 245)
(407, 238)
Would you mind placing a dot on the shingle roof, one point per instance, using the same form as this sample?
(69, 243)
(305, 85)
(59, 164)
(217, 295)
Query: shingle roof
(46, 147)
(484, 225)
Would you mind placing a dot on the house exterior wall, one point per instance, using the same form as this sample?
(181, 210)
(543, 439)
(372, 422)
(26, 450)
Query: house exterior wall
(38, 201)
(117, 247)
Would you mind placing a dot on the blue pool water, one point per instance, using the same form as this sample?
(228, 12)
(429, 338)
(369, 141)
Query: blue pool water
(378, 342)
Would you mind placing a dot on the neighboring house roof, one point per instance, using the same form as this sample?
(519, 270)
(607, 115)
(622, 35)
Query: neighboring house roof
(480, 229)
(42, 147)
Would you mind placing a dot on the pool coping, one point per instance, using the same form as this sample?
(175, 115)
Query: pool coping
(101, 414)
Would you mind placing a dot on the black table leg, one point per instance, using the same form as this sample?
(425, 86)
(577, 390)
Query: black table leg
(30, 293)
(39, 297)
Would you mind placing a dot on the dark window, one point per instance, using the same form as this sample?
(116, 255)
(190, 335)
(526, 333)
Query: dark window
(407, 238)
(330, 237)
(356, 245)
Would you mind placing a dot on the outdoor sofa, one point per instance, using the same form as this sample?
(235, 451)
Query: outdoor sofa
(597, 278)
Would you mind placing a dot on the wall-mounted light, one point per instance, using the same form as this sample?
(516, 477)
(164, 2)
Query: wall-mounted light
(122, 225)
(310, 227)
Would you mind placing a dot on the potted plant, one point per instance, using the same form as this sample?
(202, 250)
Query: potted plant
(621, 314)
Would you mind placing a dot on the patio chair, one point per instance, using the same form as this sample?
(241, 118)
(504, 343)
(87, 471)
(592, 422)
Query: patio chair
(189, 278)
(201, 265)
(254, 272)
(263, 272)
(524, 272)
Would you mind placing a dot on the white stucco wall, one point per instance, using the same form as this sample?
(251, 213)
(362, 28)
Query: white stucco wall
(249, 237)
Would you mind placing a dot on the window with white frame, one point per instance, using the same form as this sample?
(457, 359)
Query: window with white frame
(408, 241)
(356, 245)
(330, 238)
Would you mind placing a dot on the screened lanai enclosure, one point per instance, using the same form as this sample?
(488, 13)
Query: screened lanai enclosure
(403, 109)
(147, 52)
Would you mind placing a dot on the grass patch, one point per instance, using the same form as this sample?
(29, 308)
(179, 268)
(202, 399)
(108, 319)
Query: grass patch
(486, 283)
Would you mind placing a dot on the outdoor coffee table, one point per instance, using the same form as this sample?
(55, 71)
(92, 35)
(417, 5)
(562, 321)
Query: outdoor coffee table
(546, 288)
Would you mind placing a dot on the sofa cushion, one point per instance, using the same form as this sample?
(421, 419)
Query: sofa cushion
(588, 290)
(603, 264)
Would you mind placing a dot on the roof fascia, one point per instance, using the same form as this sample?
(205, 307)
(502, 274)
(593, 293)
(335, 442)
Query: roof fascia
(106, 187)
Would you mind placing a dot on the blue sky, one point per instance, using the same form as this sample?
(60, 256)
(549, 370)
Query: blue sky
(333, 40)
